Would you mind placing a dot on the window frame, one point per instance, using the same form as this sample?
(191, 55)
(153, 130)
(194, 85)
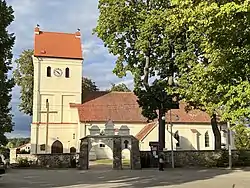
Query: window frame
(207, 140)
(48, 71)
(67, 75)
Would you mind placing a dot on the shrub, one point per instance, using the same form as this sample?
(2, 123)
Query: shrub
(23, 162)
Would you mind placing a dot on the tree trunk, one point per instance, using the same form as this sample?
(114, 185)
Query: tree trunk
(216, 131)
(161, 136)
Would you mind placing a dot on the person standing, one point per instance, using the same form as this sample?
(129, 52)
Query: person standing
(161, 163)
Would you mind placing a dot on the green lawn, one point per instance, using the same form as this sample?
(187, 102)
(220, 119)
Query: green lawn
(125, 162)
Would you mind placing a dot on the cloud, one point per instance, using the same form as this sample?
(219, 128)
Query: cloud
(61, 16)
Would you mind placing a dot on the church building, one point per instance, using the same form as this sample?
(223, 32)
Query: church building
(61, 117)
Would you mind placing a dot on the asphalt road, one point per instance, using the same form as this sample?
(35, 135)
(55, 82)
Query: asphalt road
(102, 178)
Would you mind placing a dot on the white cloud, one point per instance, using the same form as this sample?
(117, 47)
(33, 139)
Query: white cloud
(62, 16)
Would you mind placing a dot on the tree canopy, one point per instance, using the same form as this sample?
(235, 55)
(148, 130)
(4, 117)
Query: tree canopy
(24, 78)
(134, 32)
(6, 84)
(241, 137)
(119, 88)
(16, 142)
(87, 86)
(197, 47)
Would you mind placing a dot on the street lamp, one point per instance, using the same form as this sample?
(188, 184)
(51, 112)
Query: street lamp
(171, 133)
(229, 142)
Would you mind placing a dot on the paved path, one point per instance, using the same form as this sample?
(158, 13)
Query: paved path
(103, 178)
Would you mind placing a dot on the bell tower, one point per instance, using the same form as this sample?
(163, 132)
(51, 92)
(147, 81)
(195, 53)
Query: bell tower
(57, 63)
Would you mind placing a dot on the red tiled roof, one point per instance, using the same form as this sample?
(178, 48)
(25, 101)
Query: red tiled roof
(123, 107)
(59, 45)
(193, 116)
(117, 106)
(146, 130)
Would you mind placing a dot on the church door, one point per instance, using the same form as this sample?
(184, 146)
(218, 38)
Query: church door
(57, 147)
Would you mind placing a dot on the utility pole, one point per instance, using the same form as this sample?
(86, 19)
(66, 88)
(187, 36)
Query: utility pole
(47, 123)
(171, 132)
(229, 142)
(161, 131)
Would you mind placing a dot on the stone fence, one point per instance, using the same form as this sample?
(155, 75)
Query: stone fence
(181, 158)
(47, 160)
(198, 158)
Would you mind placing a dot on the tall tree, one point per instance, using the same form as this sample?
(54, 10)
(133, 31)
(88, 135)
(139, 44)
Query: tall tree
(6, 43)
(24, 78)
(211, 76)
(119, 88)
(241, 137)
(134, 31)
(87, 86)
(202, 45)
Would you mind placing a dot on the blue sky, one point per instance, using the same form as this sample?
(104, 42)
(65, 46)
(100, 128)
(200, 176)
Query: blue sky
(60, 16)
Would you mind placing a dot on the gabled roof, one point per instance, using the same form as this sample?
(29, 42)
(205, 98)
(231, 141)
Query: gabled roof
(146, 130)
(101, 106)
(57, 45)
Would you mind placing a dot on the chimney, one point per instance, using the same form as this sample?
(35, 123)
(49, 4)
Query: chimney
(78, 33)
(37, 29)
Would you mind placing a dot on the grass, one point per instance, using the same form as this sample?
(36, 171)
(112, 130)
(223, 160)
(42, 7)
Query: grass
(125, 162)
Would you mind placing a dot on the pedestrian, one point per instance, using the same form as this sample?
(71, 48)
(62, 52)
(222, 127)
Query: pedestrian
(161, 163)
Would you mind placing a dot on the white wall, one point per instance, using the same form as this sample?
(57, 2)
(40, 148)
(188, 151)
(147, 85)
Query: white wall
(65, 133)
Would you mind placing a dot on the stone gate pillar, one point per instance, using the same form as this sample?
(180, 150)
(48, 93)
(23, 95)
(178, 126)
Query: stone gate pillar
(84, 154)
(135, 154)
(117, 153)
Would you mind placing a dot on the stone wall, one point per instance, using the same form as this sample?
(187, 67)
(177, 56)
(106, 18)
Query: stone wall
(48, 160)
(198, 158)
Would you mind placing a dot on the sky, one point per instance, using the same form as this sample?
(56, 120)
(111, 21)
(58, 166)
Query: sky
(60, 16)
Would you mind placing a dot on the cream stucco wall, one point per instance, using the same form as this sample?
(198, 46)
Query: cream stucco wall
(65, 133)
(189, 140)
(69, 135)
(59, 91)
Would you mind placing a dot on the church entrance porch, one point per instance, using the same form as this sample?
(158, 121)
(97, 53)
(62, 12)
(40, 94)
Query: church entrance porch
(117, 143)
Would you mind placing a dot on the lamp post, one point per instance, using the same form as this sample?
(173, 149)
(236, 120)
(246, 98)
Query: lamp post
(172, 147)
(229, 142)
(171, 132)
(171, 137)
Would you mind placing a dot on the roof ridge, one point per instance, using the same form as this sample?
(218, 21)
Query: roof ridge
(56, 32)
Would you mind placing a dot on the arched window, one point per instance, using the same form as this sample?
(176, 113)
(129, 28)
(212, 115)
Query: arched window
(48, 71)
(126, 144)
(206, 139)
(177, 138)
(67, 72)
